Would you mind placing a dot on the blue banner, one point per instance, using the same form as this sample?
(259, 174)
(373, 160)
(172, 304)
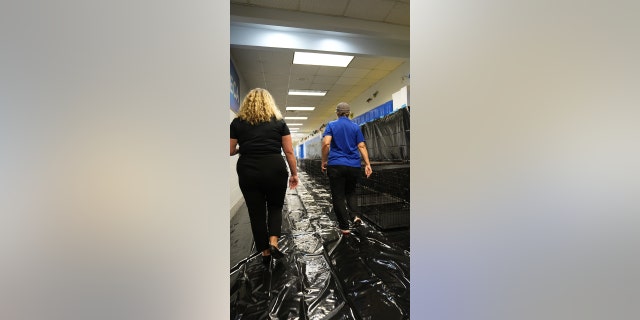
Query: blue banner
(375, 113)
(234, 92)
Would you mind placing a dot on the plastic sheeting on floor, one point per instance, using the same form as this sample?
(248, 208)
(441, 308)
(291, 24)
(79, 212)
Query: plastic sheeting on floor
(324, 274)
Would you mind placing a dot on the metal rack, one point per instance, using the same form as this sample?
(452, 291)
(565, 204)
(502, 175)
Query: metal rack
(383, 197)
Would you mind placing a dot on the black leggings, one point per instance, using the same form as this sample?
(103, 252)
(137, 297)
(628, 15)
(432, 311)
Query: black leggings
(263, 182)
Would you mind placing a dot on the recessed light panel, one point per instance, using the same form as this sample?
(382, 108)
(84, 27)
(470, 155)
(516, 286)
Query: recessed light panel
(322, 59)
(307, 93)
(300, 108)
(295, 118)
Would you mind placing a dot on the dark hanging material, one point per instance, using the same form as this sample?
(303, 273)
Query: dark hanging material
(387, 138)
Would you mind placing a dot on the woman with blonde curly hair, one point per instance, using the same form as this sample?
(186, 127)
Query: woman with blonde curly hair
(259, 135)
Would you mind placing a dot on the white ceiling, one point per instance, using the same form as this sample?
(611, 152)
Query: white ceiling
(266, 33)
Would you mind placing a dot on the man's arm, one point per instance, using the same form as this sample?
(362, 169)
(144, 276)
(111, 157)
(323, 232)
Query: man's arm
(326, 144)
(362, 147)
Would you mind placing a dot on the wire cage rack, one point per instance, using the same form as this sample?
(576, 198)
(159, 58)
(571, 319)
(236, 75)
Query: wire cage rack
(383, 198)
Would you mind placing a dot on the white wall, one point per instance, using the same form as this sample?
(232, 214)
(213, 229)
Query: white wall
(112, 120)
(236, 199)
(525, 155)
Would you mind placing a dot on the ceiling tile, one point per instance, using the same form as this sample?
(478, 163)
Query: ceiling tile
(330, 7)
(274, 81)
(319, 86)
(369, 81)
(355, 72)
(377, 74)
(298, 83)
(338, 90)
(302, 101)
(376, 10)
(348, 80)
(303, 70)
(360, 88)
(248, 65)
(365, 62)
(279, 57)
(242, 53)
(324, 80)
(280, 4)
(399, 14)
(389, 64)
(280, 100)
(350, 96)
(274, 69)
(330, 71)
(248, 59)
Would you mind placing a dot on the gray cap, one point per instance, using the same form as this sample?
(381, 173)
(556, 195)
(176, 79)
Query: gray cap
(343, 107)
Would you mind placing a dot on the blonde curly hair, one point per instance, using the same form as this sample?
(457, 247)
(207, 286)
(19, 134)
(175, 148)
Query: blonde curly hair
(258, 106)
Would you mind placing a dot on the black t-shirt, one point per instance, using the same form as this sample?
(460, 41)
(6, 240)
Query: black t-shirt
(259, 139)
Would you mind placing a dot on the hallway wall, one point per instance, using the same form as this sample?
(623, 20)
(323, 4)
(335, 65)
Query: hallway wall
(113, 187)
(526, 188)
(235, 195)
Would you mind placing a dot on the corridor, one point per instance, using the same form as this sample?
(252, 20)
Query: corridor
(324, 275)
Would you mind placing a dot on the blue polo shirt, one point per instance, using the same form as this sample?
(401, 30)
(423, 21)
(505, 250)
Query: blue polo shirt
(345, 136)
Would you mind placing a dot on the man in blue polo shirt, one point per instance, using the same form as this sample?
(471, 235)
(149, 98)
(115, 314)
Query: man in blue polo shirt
(342, 146)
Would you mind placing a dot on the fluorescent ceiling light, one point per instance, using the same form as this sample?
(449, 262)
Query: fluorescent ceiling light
(321, 59)
(301, 108)
(307, 93)
(294, 124)
(294, 129)
(295, 118)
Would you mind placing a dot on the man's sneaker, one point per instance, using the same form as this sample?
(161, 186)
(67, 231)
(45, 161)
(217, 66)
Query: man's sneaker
(357, 221)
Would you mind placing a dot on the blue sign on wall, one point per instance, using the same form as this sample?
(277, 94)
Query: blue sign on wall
(234, 92)
(375, 113)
